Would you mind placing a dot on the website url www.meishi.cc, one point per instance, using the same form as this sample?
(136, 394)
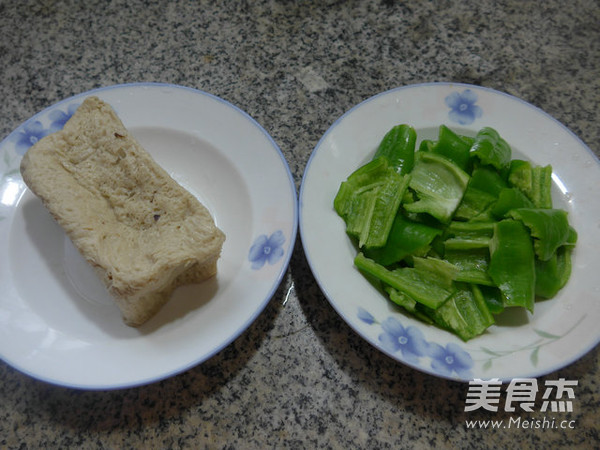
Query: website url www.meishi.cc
(523, 424)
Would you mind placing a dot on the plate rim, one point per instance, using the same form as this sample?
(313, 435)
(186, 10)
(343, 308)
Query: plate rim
(277, 280)
(352, 324)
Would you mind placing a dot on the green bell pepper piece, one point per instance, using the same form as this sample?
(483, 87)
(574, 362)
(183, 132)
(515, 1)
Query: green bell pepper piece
(442, 270)
(512, 263)
(487, 180)
(472, 265)
(367, 175)
(520, 175)
(421, 285)
(474, 205)
(481, 195)
(549, 228)
(409, 304)
(385, 208)
(464, 313)
(406, 237)
(439, 184)
(492, 297)
(552, 275)
(490, 149)
(401, 299)
(542, 186)
(509, 198)
(398, 146)
(534, 181)
(368, 201)
(453, 147)
(572, 239)
(426, 145)
(360, 210)
(468, 235)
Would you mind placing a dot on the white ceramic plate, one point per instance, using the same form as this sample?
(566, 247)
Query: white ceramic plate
(560, 331)
(58, 324)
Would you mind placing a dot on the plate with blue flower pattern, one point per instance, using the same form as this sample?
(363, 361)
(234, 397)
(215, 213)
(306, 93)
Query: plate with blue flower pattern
(58, 323)
(560, 330)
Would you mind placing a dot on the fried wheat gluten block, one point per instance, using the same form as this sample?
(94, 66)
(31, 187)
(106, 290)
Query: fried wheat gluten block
(142, 232)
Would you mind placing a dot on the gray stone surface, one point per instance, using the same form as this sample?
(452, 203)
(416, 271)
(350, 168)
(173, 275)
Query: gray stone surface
(299, 377)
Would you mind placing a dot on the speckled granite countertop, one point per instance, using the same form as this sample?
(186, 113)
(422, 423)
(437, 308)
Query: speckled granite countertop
(298, 377)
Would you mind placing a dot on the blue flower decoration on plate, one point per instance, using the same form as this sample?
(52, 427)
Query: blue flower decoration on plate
(266, 249)
(31, 133)
(34, 131)
(366, 316)
(450, 359)
(445, 361)
(463, 109)
(409, 341)
(59, 118)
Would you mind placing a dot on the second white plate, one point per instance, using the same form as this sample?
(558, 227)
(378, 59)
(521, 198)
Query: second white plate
(560, 331)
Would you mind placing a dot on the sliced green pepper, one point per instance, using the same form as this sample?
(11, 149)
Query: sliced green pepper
(472, 265)
(368, 201)
(490, 149)
(439, 185)
(359, 209)
(398, 146)
(464, 313)
(512, 263)
(442, 270)
(406, 237)
(453, 147)
(468, 235)
(487, 180)
(549, 227)
(541, 187)
(481, 195)
(426, 145)
(420, 285)
(401, 299)
(510, 198)
(520, 176)
(552, 275)
(409, 304)
(471, 235)
(474, 205)
(491, 295)
(387, 202)
(572, 239)
(366, 175)
(534, 181)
